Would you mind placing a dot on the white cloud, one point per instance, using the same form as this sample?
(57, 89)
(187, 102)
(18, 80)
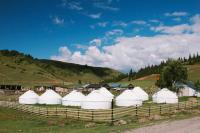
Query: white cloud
(176, 14)
(81, 46)
(96, 42)
(105, 6)
(139, 22)
(115, 32)
(177, 29)
(72, 5)
(119, 23)
(58, 21)
(99, 24)
(177, 19)
(139, 51)
(182, 28)
(196, 23)
(136, 52)
(94, 16)
(64, 54)
(102, 24)
(75, 6)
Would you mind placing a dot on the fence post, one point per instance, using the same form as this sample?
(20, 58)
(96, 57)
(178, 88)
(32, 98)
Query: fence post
(136, 111)
(185, 104)
(191, 104)
(112, 115)
(47, 112)
(39, 110)
(160, 109)
(178, 106)
(92, 115)
(78, 113)
(149, 111)
(56, 111)
(66, 111)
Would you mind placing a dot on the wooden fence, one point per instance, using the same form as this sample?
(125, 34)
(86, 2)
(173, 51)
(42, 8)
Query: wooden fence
(108, 115)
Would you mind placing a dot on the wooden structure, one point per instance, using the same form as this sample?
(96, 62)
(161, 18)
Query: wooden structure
(106, 115)
(10, 87)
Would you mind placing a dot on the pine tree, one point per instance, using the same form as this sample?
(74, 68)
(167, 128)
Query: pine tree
(130, 75)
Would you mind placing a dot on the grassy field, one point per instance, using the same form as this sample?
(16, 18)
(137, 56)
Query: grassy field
(26, 123)
(194, 72)
(147, 85)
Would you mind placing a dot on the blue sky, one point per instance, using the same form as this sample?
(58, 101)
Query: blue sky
(94, 32)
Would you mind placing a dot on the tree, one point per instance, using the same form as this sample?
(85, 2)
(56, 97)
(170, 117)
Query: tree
(79, 81)
(173, 72)
(197, 85)
(130, 76)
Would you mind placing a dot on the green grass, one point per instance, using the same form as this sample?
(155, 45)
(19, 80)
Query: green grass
(147, 85)
(12, 121)
(182, 99)
(194, 72)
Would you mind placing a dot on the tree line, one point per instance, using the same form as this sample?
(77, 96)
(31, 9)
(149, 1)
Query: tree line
(156, 69)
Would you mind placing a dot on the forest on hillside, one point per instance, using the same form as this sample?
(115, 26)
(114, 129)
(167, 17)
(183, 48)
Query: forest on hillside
(156, 69)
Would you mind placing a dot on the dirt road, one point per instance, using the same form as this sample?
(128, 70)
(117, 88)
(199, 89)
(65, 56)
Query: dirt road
(182, 126)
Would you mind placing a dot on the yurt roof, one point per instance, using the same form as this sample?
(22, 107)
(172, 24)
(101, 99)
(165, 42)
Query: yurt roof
(139, 91)
(74, 95)
(29, 94)
(127, 95)
(105, 92)
(95, 95)
(166, 93)
(50, 93)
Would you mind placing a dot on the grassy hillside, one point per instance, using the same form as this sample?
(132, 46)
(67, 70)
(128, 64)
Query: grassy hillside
(23, 69)
(194, 72)
(148, 82)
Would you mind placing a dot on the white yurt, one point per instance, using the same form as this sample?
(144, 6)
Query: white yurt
(96, 100)
(165, 96)
(186, 91)
(106, 93)
(29, 97)
(50, 97)
(128, 98)
(74, 98)
(198, 94)
(141, 93)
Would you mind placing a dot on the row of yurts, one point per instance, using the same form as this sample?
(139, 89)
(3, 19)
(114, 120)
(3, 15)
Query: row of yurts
(98, 99)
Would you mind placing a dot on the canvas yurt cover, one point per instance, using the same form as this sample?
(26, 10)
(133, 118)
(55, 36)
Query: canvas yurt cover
(29, 97)
(106, 93)
(74, 98)
(50, 97)
(128, 98)
(95, 100)
(187, 91)
(141, 93)
(165, 96)
(198, 94)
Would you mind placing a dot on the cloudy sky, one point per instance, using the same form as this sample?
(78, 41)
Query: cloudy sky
(119, 34)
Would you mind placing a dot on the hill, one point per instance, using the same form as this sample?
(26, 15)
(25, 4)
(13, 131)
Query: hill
(148, 81)
(194, 72)
(153, 77)
(18, 68)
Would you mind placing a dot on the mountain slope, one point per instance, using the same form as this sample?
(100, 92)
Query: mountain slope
(16, 67)
(148, 82)
(194, 72)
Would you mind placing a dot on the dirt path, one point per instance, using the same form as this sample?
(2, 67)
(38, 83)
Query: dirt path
(182, 126)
